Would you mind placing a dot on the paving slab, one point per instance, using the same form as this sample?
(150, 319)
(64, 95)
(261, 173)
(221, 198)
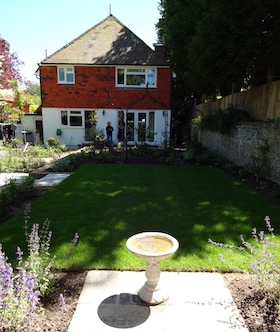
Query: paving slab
(197, 302)
(6, 177)
(48, 180)
(51, 179)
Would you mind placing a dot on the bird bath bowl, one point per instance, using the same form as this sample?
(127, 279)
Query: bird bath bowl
(152, 246)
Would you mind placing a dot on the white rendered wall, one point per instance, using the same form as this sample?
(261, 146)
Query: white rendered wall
(73, 136)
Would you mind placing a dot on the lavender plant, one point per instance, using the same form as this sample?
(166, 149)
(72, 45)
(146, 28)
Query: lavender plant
(40, 261)
(20, 290)
(19, 296)
(263, 263)
(39, 258)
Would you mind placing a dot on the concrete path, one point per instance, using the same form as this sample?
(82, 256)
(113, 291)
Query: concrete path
(197, 302)
(48, 180)
(6, 177)
(51, 179)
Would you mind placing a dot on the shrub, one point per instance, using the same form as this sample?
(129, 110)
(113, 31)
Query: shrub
(39, 259)
(7, 194)
(20, 291)
(54, 145)
(223, 121)
(12, 189)
(52, 142)
(262, 260)
(26, 186)
(19, 295)
(104, 157)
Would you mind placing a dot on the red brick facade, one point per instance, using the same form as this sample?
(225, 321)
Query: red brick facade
(92, 85)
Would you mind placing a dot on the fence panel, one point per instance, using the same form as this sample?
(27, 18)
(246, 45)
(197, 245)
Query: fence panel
(263, 102)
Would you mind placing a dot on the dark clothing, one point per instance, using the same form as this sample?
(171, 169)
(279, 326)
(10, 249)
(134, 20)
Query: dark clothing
(109, 131)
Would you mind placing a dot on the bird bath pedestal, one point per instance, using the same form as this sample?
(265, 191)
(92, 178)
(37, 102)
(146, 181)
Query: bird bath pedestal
(152, 246)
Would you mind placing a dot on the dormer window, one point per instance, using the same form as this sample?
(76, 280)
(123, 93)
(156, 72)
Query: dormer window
(135, 77)
(65, 75)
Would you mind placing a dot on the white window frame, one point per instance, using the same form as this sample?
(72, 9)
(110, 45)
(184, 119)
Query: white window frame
(71, 113)
(66, 70)
(135, 69)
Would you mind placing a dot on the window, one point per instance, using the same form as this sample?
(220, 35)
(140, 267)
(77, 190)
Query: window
(151, 128)
(71, 118)
(142, 127)
(136, 77)
(130, 126)
(64, 118)
(76, 119)
(65, 75)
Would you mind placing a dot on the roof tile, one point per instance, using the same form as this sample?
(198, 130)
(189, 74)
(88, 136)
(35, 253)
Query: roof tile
(107, 43)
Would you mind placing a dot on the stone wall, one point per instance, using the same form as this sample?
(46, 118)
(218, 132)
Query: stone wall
(248, 143)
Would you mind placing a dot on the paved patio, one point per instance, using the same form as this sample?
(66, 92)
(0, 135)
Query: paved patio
(197, 302)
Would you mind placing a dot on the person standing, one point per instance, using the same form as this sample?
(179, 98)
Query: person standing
(109, 131)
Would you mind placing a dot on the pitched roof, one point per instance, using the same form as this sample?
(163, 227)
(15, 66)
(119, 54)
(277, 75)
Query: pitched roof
(107, 43)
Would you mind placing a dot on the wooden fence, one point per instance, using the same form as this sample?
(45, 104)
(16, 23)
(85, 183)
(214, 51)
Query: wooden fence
(263, 102)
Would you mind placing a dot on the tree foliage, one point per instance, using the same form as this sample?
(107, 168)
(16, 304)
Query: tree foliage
(215, 46)
(33, 92)
(9, 65)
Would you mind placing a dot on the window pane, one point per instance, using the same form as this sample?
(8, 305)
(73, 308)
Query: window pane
(64, 118)
(151, 129)
(151, 77)
(120, 76)
(130, 126)
(61, 74)
(69, 78)
(135, 80)
(136, 70)
(142, 127)
(76, 121)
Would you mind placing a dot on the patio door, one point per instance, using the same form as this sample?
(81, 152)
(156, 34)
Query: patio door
(140, 126)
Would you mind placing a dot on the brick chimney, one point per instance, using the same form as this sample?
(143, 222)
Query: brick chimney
(160, 50)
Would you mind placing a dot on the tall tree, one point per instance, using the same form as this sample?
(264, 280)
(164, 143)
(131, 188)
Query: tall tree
(9, 65)
(215, 45)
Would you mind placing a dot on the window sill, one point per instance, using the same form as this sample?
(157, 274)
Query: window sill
(123, 87)
(66, 83)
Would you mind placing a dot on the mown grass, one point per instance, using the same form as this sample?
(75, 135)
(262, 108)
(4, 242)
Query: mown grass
(107, 203)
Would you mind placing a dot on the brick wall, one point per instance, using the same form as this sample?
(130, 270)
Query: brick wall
(246, 143)
(91, 88)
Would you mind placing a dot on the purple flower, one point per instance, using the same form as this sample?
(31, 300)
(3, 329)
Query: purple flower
(19, 255)
(62, 300)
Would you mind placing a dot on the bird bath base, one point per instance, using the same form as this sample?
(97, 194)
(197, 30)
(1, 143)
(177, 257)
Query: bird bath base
(152, 246)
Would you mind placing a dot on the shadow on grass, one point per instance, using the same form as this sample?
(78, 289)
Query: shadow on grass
(106, 204)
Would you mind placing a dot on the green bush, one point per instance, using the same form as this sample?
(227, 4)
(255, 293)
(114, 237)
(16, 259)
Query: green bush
(12, 190)
(224, 121)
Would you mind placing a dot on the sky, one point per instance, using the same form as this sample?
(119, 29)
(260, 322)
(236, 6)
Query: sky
(35, 28)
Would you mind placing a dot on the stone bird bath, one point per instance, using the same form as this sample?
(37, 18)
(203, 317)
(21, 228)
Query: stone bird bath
(152, 246)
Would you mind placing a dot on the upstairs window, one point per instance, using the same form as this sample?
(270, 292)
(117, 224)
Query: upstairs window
(65, 75)
(135, 77)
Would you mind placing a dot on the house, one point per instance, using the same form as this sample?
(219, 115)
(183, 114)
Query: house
(112, 74)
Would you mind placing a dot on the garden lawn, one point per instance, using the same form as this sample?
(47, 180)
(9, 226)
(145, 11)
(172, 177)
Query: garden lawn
(107, 203)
